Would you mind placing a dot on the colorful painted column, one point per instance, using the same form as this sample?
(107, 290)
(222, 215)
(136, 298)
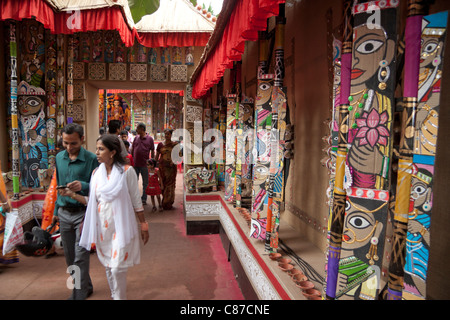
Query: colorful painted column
(339, 194)
(279, 110)
(429, 78)
(261, 169)
(14, 116)
(370, 138)
(230, 150)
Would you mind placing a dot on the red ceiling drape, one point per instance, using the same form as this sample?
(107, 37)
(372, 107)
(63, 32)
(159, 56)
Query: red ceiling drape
(108, 18)
(248, 17)
(179, 92)
(173, 39)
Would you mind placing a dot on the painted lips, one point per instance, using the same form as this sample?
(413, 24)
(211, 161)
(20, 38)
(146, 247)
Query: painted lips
(346, 237)
(356, 73)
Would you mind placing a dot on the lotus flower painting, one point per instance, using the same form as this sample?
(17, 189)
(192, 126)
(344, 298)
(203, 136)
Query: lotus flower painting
(372, 129)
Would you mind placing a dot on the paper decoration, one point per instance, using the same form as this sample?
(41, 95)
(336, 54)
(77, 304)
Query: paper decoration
(178, 73)
(159, 72)
(152, 56)
(109, 46)
(97, 46)
(193, 113)
(97, 71)
(177, 55)
(79, 90)
(165, 56)
(138, 72)
(78, 111)
(189, 56)
(78, 71)
(117, 71)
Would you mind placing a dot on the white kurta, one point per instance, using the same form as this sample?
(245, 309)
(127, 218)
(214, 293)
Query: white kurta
(109, 252)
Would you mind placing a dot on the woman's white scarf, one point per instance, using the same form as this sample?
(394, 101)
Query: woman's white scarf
(115, 191)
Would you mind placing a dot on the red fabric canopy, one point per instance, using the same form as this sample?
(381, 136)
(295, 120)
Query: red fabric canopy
(179, 92)
(108, 18)
(248, 17)
(173, 39)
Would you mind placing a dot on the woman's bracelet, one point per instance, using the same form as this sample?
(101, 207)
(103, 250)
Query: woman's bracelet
(144, 226)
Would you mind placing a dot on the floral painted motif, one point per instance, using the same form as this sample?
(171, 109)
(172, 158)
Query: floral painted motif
(372, 129)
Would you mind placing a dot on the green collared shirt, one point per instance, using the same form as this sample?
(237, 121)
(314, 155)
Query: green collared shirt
(71, 170)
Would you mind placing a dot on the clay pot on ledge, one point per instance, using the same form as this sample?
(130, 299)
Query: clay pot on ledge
(274, 256)
(312, 294)
(305, 285)
(285, 267)
(299, 277)
(284, 260)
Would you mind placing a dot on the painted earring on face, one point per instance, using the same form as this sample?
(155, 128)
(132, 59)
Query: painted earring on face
(436, 62)
(372, 254)
(384, 72)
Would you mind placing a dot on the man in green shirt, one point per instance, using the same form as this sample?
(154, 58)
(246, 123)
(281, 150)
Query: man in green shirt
(74, 167)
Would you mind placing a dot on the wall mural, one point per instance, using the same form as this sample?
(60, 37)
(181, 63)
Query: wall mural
(31, 104)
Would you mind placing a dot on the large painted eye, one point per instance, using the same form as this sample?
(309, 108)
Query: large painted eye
(359, 222)
(261, 170)
(430, 47)
(420, 189)
(33, 102)
(369, 46)
(264, 86)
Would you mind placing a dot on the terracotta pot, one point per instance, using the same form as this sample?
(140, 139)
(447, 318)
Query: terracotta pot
(299, 277)
(311, 293)
(284, 260)
(274, 255)
(305, 285)
(314, 298)
(285, 267)
(295, 272)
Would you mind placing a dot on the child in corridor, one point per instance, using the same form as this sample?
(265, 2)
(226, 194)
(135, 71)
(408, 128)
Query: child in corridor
(155, 184)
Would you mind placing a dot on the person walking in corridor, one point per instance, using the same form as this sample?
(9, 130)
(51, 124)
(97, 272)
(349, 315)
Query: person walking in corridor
(167, 168)
(113, 204)
(74, 167)
(141, 149)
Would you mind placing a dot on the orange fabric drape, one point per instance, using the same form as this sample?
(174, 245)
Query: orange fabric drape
(248, 17)
(49, 204)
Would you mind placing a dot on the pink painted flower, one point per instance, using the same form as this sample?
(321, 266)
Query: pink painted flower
(372, 129)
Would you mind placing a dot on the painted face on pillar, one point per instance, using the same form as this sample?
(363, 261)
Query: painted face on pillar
(431, 50)
(421, 195)
(360, 226)
(370, 47)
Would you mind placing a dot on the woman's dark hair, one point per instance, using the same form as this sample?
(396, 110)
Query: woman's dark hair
(111, 142)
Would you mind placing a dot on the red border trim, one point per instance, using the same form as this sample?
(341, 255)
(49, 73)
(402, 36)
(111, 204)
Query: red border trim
(30, 197)
(282, 293)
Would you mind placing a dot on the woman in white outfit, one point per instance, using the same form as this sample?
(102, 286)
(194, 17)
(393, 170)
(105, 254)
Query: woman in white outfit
(110, 221)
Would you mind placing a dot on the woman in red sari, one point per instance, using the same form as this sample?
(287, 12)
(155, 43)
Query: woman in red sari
(167, 168)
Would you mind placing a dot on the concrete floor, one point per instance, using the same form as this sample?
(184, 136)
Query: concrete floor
(173, 266)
